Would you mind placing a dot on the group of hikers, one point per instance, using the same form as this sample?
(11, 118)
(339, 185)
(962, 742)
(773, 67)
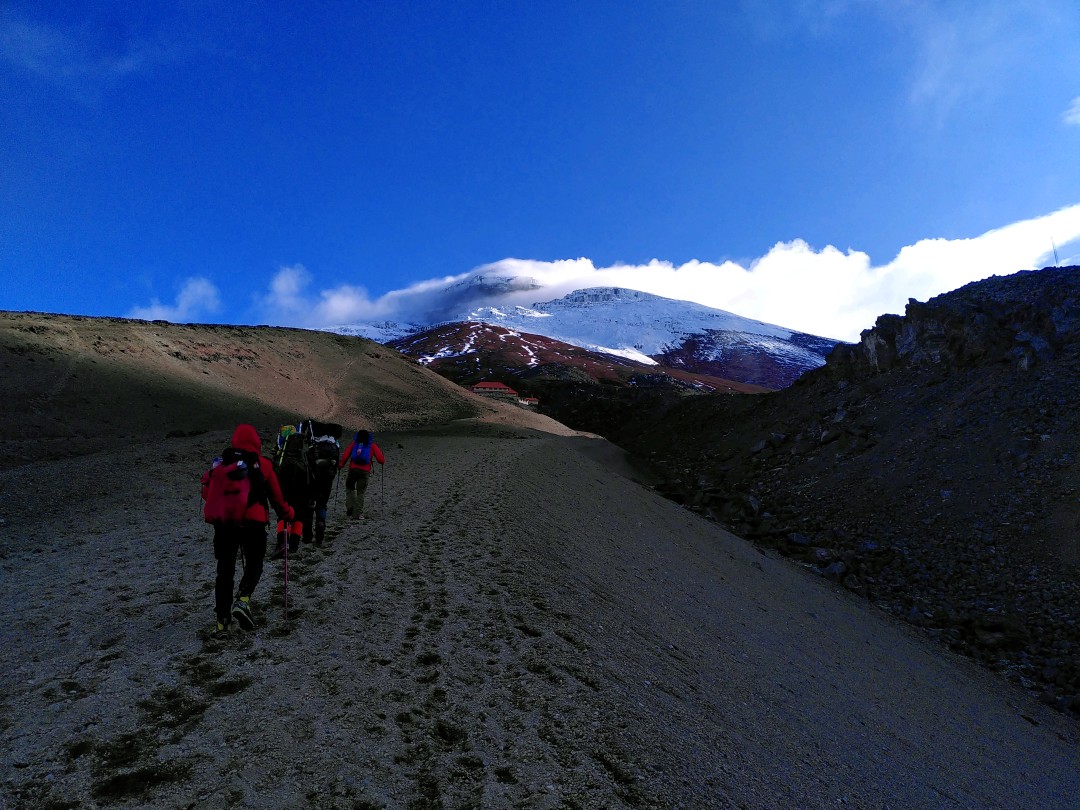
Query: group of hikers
(298, 481)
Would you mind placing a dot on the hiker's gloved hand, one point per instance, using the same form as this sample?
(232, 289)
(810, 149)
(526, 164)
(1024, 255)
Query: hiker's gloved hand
(289, 514)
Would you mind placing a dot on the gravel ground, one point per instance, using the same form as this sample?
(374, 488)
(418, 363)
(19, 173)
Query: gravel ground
(516, 624)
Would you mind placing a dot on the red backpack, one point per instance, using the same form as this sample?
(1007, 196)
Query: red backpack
(234, 485)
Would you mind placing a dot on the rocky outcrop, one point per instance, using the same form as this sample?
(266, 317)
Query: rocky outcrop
(1020, 320)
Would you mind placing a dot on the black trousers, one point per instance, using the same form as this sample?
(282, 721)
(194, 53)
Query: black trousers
(323, 487)
(250, 539)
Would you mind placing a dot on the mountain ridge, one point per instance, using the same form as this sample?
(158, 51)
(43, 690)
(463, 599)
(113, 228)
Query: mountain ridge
(643, 327)
(475, 351)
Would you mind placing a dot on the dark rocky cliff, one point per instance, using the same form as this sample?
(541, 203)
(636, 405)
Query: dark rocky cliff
(1020, 320)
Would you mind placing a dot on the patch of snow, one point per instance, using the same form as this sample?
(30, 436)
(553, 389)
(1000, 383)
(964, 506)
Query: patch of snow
(623, 320)
(378, 331)
(629, 354)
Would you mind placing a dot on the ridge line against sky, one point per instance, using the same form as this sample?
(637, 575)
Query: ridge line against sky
(808, 164)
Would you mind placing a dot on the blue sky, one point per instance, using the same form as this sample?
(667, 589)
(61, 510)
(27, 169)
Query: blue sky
(811, 164)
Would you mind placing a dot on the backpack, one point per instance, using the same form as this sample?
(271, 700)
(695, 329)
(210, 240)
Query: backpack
(292, 467)
(325, 452)
(283, 435)
(234, 484)
(361, 452)
(313, 429)
(323, 448)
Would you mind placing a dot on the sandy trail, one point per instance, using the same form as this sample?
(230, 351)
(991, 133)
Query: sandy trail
(515, 625)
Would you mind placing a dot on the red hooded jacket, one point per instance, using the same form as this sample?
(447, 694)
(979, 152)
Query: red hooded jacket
(245, 437)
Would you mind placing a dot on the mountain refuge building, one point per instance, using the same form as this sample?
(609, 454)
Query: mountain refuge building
(498, 390)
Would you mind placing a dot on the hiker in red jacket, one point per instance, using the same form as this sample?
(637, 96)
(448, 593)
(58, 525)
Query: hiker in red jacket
(248, 535)
(359, 454)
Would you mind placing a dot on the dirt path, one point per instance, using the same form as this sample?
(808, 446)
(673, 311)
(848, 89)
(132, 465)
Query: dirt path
(514, 626)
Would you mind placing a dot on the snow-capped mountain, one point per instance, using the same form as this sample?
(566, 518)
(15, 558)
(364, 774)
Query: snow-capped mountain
(471, 351)
(634, 325)
(379, 331)
(650, 328)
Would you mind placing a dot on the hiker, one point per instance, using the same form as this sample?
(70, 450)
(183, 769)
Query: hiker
(323, 451)
(294, 475)
(239, 516)
(359, 454)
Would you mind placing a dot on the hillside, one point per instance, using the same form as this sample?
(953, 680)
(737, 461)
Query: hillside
(77, 384)
(517, 624)
(472, 352)
(932, 469)
(679, 334)
(521, 622)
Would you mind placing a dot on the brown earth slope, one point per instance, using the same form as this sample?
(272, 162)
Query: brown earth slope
(74, 384)
(513, 626)
(518, 624)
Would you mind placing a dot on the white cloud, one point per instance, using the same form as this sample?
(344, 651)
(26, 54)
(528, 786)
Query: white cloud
(957, 50)
(196, 298)
(1072, 115)
(825, 291)
(73, 58)
(289, 302)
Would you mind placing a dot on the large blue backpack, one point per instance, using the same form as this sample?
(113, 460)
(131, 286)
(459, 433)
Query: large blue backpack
(361, 451)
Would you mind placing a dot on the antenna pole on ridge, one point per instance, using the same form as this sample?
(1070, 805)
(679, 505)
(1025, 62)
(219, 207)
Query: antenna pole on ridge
(1054, 246)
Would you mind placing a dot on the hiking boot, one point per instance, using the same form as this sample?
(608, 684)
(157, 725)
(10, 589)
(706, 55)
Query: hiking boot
(241, 611)
(294, 546)
(222, 627)
(348, 512)
(278, 553)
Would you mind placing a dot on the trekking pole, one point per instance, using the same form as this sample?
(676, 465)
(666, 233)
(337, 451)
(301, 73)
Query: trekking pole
(288, 526)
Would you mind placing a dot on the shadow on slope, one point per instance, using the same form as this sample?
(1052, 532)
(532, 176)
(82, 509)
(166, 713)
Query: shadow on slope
(75, 384)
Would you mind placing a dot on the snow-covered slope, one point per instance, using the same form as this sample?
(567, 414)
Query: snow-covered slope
(379, 331)
(641, 327)
(468, 352)
(648, 327)
(616, 319)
